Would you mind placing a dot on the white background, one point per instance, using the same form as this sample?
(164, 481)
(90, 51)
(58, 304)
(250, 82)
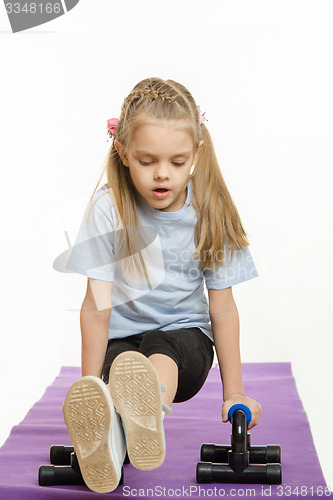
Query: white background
(262, 71)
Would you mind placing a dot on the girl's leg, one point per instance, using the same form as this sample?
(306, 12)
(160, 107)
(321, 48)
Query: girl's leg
(167, 370)
(197, 359)
(166, 366)
(182, 359)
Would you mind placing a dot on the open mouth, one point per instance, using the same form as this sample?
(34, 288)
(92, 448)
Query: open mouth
(161, 192)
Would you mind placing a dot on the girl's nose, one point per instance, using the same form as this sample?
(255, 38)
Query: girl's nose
(161, 171)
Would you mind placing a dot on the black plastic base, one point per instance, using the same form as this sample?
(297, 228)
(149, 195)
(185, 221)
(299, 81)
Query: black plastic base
(216, 453)
(50, 475)
(254, 474)
(64, 468)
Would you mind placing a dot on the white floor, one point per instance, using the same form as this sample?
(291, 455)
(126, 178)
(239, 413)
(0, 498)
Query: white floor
(19, 394)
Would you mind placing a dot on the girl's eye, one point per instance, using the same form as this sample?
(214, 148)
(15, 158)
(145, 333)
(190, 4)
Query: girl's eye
(146, 163)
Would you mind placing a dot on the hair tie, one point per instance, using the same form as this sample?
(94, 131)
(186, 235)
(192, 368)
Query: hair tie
(112, 124)
(202, 117)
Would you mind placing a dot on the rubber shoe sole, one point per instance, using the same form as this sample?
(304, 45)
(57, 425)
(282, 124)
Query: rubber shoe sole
(88, 412)
(135, 391)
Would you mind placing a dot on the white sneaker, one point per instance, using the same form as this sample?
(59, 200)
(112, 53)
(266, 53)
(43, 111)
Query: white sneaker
(96, 432)
(135, 391)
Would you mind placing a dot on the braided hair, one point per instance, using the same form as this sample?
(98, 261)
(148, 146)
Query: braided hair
(219, 227)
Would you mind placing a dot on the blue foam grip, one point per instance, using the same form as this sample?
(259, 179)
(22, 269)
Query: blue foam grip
(240, 407)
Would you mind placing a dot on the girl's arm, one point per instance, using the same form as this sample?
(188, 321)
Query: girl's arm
(94, 322)
(225, 326)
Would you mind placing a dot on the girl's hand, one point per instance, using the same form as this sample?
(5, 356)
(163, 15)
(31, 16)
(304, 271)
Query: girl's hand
(254, 406)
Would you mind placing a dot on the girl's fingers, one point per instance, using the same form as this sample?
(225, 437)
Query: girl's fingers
(256, 412)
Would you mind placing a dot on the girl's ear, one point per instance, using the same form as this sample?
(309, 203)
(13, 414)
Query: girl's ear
(197, 150)
(121, 151)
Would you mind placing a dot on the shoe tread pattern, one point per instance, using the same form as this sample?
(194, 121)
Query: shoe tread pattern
(135, 390)
(88, 421)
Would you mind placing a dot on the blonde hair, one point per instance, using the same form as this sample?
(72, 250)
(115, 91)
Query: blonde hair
(218, 222)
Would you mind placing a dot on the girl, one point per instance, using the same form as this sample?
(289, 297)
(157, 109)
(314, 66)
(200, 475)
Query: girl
(162, 227)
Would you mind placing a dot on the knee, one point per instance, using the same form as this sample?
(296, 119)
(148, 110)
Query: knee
(152, 340)
(158, 342)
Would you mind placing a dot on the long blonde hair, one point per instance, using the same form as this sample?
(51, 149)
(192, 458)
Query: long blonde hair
(218, 222)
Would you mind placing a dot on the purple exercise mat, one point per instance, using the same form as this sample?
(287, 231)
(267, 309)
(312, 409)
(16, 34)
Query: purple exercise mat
(283, 421)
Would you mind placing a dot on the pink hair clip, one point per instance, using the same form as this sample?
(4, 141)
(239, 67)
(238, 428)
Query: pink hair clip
(201, 116)
(112, 124)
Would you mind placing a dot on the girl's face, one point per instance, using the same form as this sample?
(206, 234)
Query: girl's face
(160, 155)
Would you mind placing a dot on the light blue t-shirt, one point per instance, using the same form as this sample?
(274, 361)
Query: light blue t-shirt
(176, 297)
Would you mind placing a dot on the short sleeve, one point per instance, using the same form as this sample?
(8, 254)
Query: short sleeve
(93, 252)
(233, 271)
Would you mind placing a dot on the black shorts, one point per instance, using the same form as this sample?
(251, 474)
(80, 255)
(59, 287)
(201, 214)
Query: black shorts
(190, 348)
